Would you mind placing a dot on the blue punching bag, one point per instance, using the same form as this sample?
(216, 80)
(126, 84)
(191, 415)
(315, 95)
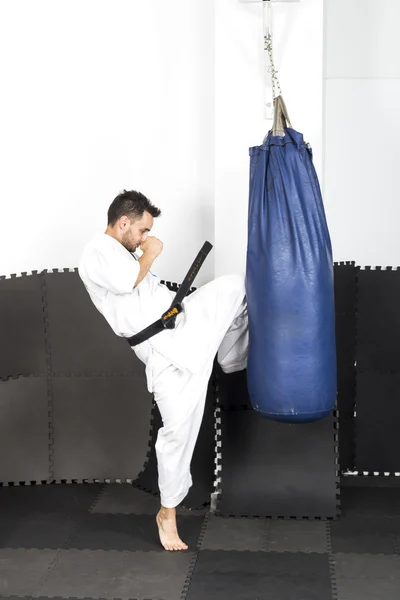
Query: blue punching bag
(291, 371)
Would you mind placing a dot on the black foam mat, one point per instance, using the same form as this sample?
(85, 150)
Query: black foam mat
(24, 430)
(345, 329)
(364, 500)
(232, 389)
(148, 477)
(53, 546)
(203, 462)
(131, 532)
(345, 287)
(139, 575)
(366, 576)
(100, 426)
(202, 467)
(378, 422)
(346, 399)
(70, 499)
(23, 347)
(355, 534)
(378, 320)
(126, 499)
(81, 341)
(346, 389)
(260, 575)
(346, 439)
(277, 469)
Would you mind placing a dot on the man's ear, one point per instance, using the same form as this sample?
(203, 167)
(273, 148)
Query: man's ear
(123, 222)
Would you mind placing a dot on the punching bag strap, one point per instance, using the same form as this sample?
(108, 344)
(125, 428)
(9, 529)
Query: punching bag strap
(168, 318)
(281, 117)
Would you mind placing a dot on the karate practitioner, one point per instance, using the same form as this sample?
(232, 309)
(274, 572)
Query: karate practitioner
(115, 269)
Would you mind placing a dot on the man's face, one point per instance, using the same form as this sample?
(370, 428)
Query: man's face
(136, 233)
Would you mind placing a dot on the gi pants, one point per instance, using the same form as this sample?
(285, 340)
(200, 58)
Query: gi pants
(180, 395)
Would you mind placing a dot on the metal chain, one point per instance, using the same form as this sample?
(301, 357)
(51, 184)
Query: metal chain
(272, 70)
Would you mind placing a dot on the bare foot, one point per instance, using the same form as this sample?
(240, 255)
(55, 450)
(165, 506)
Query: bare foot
(169, 538)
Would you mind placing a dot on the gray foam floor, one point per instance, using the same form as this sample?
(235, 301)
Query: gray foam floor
(90, 439)
(100, 541)
(24, 426)
(277, 469)
(80, 339)
(22, 325)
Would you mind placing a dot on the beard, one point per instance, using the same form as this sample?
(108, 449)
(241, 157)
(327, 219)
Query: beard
(128, 243)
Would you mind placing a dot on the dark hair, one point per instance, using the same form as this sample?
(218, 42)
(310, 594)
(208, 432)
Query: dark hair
(130, 204)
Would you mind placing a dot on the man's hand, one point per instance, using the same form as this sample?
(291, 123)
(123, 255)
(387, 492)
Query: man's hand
(152, 246)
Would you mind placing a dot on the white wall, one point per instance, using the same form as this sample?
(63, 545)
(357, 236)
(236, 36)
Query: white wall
(164, 97)
(362, 154)
(239, 115)
(97, 96)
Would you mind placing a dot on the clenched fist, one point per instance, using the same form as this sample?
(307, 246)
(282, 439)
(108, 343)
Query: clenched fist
(152, 245)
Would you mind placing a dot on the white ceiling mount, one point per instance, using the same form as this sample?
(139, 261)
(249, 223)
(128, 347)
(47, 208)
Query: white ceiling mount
(269, 70)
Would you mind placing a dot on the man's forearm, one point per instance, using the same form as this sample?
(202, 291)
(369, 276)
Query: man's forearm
(145, 262)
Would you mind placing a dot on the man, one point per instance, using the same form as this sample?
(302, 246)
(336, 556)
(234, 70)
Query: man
(115, 268)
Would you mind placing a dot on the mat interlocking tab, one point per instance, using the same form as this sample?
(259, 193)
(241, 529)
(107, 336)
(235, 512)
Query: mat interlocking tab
(346, 442)
(346, 340)
(49, 368)
(192, 566)
(331, 562)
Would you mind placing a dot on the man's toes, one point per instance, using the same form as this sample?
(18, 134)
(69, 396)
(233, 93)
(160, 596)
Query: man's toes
(182, 546)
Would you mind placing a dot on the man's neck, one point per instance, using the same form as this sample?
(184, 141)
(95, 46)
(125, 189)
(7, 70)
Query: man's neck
(110, 231)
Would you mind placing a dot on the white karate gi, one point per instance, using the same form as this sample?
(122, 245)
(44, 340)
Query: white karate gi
(178, 361)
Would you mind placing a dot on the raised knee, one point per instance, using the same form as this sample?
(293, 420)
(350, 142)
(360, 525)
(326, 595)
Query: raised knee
(233, 283)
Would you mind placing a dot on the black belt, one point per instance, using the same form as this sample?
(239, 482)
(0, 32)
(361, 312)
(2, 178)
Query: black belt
(168, 318)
